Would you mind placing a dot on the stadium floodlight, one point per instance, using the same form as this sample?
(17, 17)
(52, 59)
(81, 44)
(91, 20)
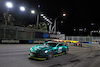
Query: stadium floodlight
(9, 4)
(42, 14)
(32, 11)
(22, 8)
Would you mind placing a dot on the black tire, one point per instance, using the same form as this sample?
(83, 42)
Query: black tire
(67, 49)
(80, 44)
(75, 44)
(50, 55)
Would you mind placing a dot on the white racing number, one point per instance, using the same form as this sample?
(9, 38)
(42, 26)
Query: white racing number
(60, 50)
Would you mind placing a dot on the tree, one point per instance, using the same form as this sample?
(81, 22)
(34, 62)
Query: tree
(8, 19)
(42, 26)
(1, 20)
(11, 20)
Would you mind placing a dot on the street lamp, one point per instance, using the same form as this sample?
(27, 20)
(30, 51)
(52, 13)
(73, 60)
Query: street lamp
(54, 27)
(9, 4)
(64, 14)
(6, 14)
(22, 8)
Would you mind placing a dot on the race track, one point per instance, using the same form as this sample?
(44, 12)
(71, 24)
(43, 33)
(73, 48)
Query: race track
(16, 55)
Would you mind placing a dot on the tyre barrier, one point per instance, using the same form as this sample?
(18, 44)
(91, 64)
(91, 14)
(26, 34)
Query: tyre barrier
(91, 42)
(21, 41)
(9, 41)
(2, 41)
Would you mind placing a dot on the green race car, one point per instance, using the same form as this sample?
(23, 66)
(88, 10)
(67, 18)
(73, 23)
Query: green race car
(48, 50)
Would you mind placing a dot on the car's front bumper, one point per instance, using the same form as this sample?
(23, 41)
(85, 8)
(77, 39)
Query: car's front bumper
(37, 58)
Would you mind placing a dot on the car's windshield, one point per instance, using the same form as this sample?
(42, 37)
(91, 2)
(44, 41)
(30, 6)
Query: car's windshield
(51, 44)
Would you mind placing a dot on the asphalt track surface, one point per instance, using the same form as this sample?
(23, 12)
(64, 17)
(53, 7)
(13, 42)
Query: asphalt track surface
(15, 55)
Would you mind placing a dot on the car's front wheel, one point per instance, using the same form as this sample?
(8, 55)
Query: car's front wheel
(50, 55)
(75, 44)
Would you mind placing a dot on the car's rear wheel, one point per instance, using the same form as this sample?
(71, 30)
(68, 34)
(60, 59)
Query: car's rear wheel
(80, 44)
(66, 52)
(75, 44)
(50, 55)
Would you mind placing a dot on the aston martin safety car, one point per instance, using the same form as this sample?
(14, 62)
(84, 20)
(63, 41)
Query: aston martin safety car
(48, 50)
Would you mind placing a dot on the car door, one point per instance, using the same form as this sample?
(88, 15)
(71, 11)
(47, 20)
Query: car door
(60, 48)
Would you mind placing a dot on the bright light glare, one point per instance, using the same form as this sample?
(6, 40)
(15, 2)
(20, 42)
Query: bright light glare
(46, 51)
(9, 4)
(32, 11)
(64, 14)
(42, 15)
(22, 8)
(45, 18)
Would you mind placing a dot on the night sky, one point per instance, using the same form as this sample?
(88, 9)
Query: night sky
(80, 13)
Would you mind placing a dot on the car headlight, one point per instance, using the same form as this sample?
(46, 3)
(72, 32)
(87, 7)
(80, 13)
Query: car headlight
(46, 51)
(30, 48)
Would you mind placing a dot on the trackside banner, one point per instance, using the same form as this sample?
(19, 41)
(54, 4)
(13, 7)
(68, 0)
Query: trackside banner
(9, 41)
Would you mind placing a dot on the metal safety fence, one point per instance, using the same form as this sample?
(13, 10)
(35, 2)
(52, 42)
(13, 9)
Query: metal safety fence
(83, 38)
(20, 33)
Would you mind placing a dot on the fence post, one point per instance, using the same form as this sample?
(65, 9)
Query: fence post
(16, 35)
(31, 35)
(72, 37)
(91, 38)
